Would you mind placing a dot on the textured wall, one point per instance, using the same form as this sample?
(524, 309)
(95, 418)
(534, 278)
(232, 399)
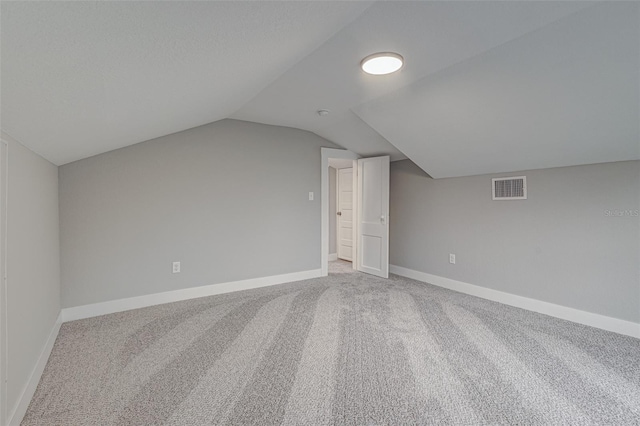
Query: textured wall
(229, 200)
(33, 263)
(565, 244)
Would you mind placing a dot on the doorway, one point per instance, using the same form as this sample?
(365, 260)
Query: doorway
(369, 214)
(336, 159)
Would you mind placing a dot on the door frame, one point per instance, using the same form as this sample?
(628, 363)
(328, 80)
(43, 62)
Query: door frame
(327, 153)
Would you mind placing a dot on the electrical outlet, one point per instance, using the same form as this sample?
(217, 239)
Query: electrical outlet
(452, 258)
(311, 196)
(176, 267)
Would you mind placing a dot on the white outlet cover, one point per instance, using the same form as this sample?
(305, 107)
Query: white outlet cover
(311, 196)
(452, 258)
(176, 267)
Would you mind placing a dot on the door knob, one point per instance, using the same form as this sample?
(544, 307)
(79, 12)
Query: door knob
(339, 213)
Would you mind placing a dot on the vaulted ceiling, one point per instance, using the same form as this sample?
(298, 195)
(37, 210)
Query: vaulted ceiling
(487, 86)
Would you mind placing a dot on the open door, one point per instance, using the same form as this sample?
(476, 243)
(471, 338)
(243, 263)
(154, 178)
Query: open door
(373, 216)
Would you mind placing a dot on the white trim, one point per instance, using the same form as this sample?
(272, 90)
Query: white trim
(112, 306)
(570, 314)
(355, 252)
(337, 230)
(18, 412)
(333, 257)
(325, 154)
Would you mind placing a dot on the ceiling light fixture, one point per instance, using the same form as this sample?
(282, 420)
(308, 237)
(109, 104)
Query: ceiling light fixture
(323, 112)
(382, 63)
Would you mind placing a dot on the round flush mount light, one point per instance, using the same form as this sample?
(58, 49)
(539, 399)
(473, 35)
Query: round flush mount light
(323, 112)
(382, 63)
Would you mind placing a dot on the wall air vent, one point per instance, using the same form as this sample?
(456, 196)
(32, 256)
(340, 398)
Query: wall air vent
(510, 188)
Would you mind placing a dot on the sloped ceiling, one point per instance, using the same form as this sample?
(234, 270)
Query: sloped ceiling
(81, 78)
(430, 35)
(567, 94)
(487, 86)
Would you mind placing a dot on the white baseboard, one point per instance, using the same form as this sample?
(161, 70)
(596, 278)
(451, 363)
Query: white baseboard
(112, 306)
(333, 256)
(570, 314)
(20, 409)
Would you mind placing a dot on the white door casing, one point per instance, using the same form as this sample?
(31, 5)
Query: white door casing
(326, 154)
(345, 214)
(373, 216)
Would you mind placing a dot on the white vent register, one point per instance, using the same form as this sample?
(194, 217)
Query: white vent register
(510, 188)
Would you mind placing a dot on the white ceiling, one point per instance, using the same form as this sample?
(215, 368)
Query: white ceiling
(81, 78)
(487, 86)
(430, 35)
(567, 94)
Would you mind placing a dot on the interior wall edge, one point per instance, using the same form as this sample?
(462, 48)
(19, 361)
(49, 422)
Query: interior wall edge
(32, 273)
(17, 413)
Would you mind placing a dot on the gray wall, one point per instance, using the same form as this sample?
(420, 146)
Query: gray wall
(558, 246)
(228, 199)
(332, 210)
(33, 263)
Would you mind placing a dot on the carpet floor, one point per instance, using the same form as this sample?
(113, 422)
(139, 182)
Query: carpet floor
(347, 349)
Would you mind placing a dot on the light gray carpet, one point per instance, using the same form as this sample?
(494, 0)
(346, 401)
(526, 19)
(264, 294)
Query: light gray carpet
(349, 349)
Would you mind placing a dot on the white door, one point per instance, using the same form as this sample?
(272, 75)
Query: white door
(373, 214)
(345, 214)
